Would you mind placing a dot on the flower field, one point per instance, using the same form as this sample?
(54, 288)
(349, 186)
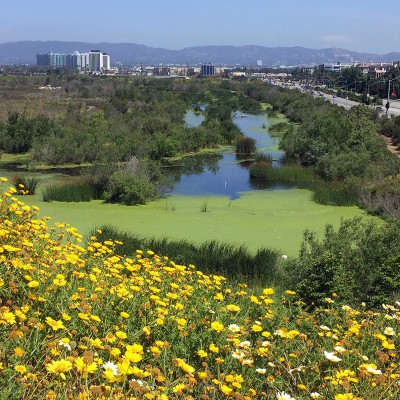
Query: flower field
(78, 321)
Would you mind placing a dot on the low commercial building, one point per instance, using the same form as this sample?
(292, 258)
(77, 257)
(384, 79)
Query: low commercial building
(208, 70)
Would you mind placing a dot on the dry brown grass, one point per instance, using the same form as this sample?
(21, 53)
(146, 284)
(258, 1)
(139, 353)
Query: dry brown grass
(34, 101)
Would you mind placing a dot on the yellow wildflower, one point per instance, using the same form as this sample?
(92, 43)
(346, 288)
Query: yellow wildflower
(84, 367)
(55, 325)
(59, 367)
(217, 326)
(20, 368)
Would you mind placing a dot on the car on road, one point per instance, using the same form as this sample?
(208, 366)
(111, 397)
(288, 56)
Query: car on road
(334, 96)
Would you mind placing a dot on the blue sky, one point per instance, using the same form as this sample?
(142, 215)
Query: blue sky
(359, 25)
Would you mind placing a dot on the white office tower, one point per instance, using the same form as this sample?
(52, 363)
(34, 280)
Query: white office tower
(106, 62)
(84, 61)
(78, 60)
(95, 61)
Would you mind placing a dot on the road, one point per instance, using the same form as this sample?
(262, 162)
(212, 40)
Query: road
(394, 108)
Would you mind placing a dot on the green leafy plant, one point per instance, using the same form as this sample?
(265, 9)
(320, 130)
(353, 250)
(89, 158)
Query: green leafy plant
(25, 185)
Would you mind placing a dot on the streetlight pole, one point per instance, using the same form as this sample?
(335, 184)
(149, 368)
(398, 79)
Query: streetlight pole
(355, 89)
(372, 84)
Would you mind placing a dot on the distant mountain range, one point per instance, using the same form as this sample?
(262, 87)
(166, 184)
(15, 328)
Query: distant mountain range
(135, 54)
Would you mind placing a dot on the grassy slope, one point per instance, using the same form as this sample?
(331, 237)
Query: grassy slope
(78, 322)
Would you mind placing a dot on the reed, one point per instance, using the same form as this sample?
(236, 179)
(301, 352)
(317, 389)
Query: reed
(25, 185)
(204, 207)
(332, 193)
(285, 174)
(263, 157)
(70, 192)
(210, 257)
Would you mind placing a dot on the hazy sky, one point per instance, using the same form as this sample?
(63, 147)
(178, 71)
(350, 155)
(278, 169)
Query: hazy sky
(359, 25)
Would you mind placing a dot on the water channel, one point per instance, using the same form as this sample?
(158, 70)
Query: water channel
(223, 174)
(256, 218)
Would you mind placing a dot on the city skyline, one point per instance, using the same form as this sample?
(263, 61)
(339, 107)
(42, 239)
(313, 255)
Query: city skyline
(361, 27)
(94, 60)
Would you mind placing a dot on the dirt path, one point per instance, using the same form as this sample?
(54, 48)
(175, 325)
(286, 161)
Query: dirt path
(393, 149)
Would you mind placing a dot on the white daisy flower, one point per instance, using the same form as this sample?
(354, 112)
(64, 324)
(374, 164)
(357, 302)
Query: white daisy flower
(109, 365)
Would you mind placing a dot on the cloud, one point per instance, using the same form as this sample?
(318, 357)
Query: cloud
(334, 39)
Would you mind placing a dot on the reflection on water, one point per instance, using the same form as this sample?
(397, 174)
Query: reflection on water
(193, 119)
(222, 174)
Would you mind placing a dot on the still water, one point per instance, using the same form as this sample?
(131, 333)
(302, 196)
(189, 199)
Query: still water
(222, 174)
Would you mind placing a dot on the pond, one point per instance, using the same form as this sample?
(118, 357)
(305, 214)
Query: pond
(213, 199)
(222, 173)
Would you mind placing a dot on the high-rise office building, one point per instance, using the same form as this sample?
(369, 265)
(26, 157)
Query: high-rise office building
(95, 60)
(78, 60)
(56, 60)
(106, 62)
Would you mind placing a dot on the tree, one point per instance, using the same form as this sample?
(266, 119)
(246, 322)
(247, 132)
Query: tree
(18, 134)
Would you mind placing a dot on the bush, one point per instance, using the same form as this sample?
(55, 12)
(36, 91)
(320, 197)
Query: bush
(359, 262)
(246, 145)
(279, 127)
(383, 197)
(129, 189)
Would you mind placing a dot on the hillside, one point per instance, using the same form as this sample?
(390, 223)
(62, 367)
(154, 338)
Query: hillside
(77, 321)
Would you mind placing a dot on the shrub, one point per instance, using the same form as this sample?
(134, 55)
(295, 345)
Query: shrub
(359, 262)
(279, 127)
(272, 113)
(383, 197)
(246, 145)
(124, 187)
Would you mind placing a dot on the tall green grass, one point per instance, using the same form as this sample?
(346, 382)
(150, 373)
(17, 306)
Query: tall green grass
(210, 257)
(264, 158)
(333, 193)
(70, 192)
(285, 174)
(25, 184)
